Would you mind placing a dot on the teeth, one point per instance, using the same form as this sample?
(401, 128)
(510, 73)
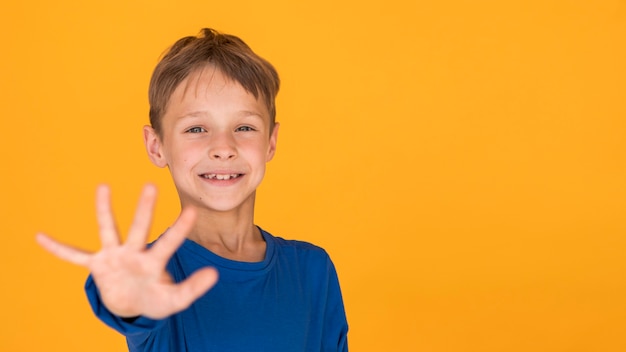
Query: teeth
(220, 176)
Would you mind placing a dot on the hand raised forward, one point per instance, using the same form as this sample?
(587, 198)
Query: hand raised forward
(131, 278)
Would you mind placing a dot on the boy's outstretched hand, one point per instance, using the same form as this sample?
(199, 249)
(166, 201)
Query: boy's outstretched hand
(131, 278)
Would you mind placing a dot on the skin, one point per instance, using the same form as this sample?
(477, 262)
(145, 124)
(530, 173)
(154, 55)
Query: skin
(216, 139)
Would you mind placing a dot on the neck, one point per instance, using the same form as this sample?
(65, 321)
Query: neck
(230, 234)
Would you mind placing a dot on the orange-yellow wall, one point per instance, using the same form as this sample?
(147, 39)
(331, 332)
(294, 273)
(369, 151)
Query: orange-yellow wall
(464, 162)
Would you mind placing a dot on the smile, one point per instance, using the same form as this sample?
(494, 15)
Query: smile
(220, 176)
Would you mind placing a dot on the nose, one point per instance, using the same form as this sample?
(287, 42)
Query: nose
(222, 146)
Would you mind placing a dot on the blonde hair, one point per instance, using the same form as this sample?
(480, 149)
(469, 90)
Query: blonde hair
(225, 52)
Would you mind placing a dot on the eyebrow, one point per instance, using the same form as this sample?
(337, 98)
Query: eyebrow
(200, 113)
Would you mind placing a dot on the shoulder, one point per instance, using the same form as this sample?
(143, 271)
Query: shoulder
(298, 245)
(298, 250)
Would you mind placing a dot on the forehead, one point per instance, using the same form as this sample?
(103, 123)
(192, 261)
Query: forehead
(207, 89)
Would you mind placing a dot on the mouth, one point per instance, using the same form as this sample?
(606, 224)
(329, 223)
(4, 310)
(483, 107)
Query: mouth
(221, 177)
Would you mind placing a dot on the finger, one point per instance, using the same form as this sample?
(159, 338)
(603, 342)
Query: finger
(140, 227)
(167, 244)
(196, 285)
(106, 223)
(63, 251)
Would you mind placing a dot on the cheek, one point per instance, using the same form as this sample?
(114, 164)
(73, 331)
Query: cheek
(186, 156)
(258, 152)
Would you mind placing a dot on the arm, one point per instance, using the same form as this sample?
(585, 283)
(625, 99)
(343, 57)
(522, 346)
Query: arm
(131, 279)
(335, 336)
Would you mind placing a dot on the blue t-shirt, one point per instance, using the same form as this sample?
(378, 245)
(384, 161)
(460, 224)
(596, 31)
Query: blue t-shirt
(291, 301)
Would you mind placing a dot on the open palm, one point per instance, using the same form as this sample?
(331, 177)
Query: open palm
(131, 278)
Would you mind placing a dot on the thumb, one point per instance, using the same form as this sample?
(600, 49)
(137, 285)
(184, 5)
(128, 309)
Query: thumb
(195, 286)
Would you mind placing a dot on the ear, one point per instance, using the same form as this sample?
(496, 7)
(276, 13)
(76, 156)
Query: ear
(272, 146)
(154, 146)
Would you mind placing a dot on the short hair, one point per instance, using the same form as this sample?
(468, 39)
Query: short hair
(225, 52)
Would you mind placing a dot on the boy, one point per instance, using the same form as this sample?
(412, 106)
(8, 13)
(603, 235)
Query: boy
(212, 118)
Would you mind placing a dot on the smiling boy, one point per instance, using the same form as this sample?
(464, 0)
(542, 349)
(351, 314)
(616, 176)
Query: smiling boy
(212, 114)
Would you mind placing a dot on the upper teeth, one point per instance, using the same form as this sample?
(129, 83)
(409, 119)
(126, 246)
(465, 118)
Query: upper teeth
(220, 176)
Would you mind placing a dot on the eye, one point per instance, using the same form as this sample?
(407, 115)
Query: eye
(244, 129)
(195, 130)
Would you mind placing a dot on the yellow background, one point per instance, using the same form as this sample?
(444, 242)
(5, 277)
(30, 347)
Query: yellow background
(462, 161)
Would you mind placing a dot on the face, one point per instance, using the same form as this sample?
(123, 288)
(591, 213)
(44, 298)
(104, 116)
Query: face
(216, 140)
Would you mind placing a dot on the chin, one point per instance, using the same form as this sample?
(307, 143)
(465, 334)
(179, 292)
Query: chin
(224, 204)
